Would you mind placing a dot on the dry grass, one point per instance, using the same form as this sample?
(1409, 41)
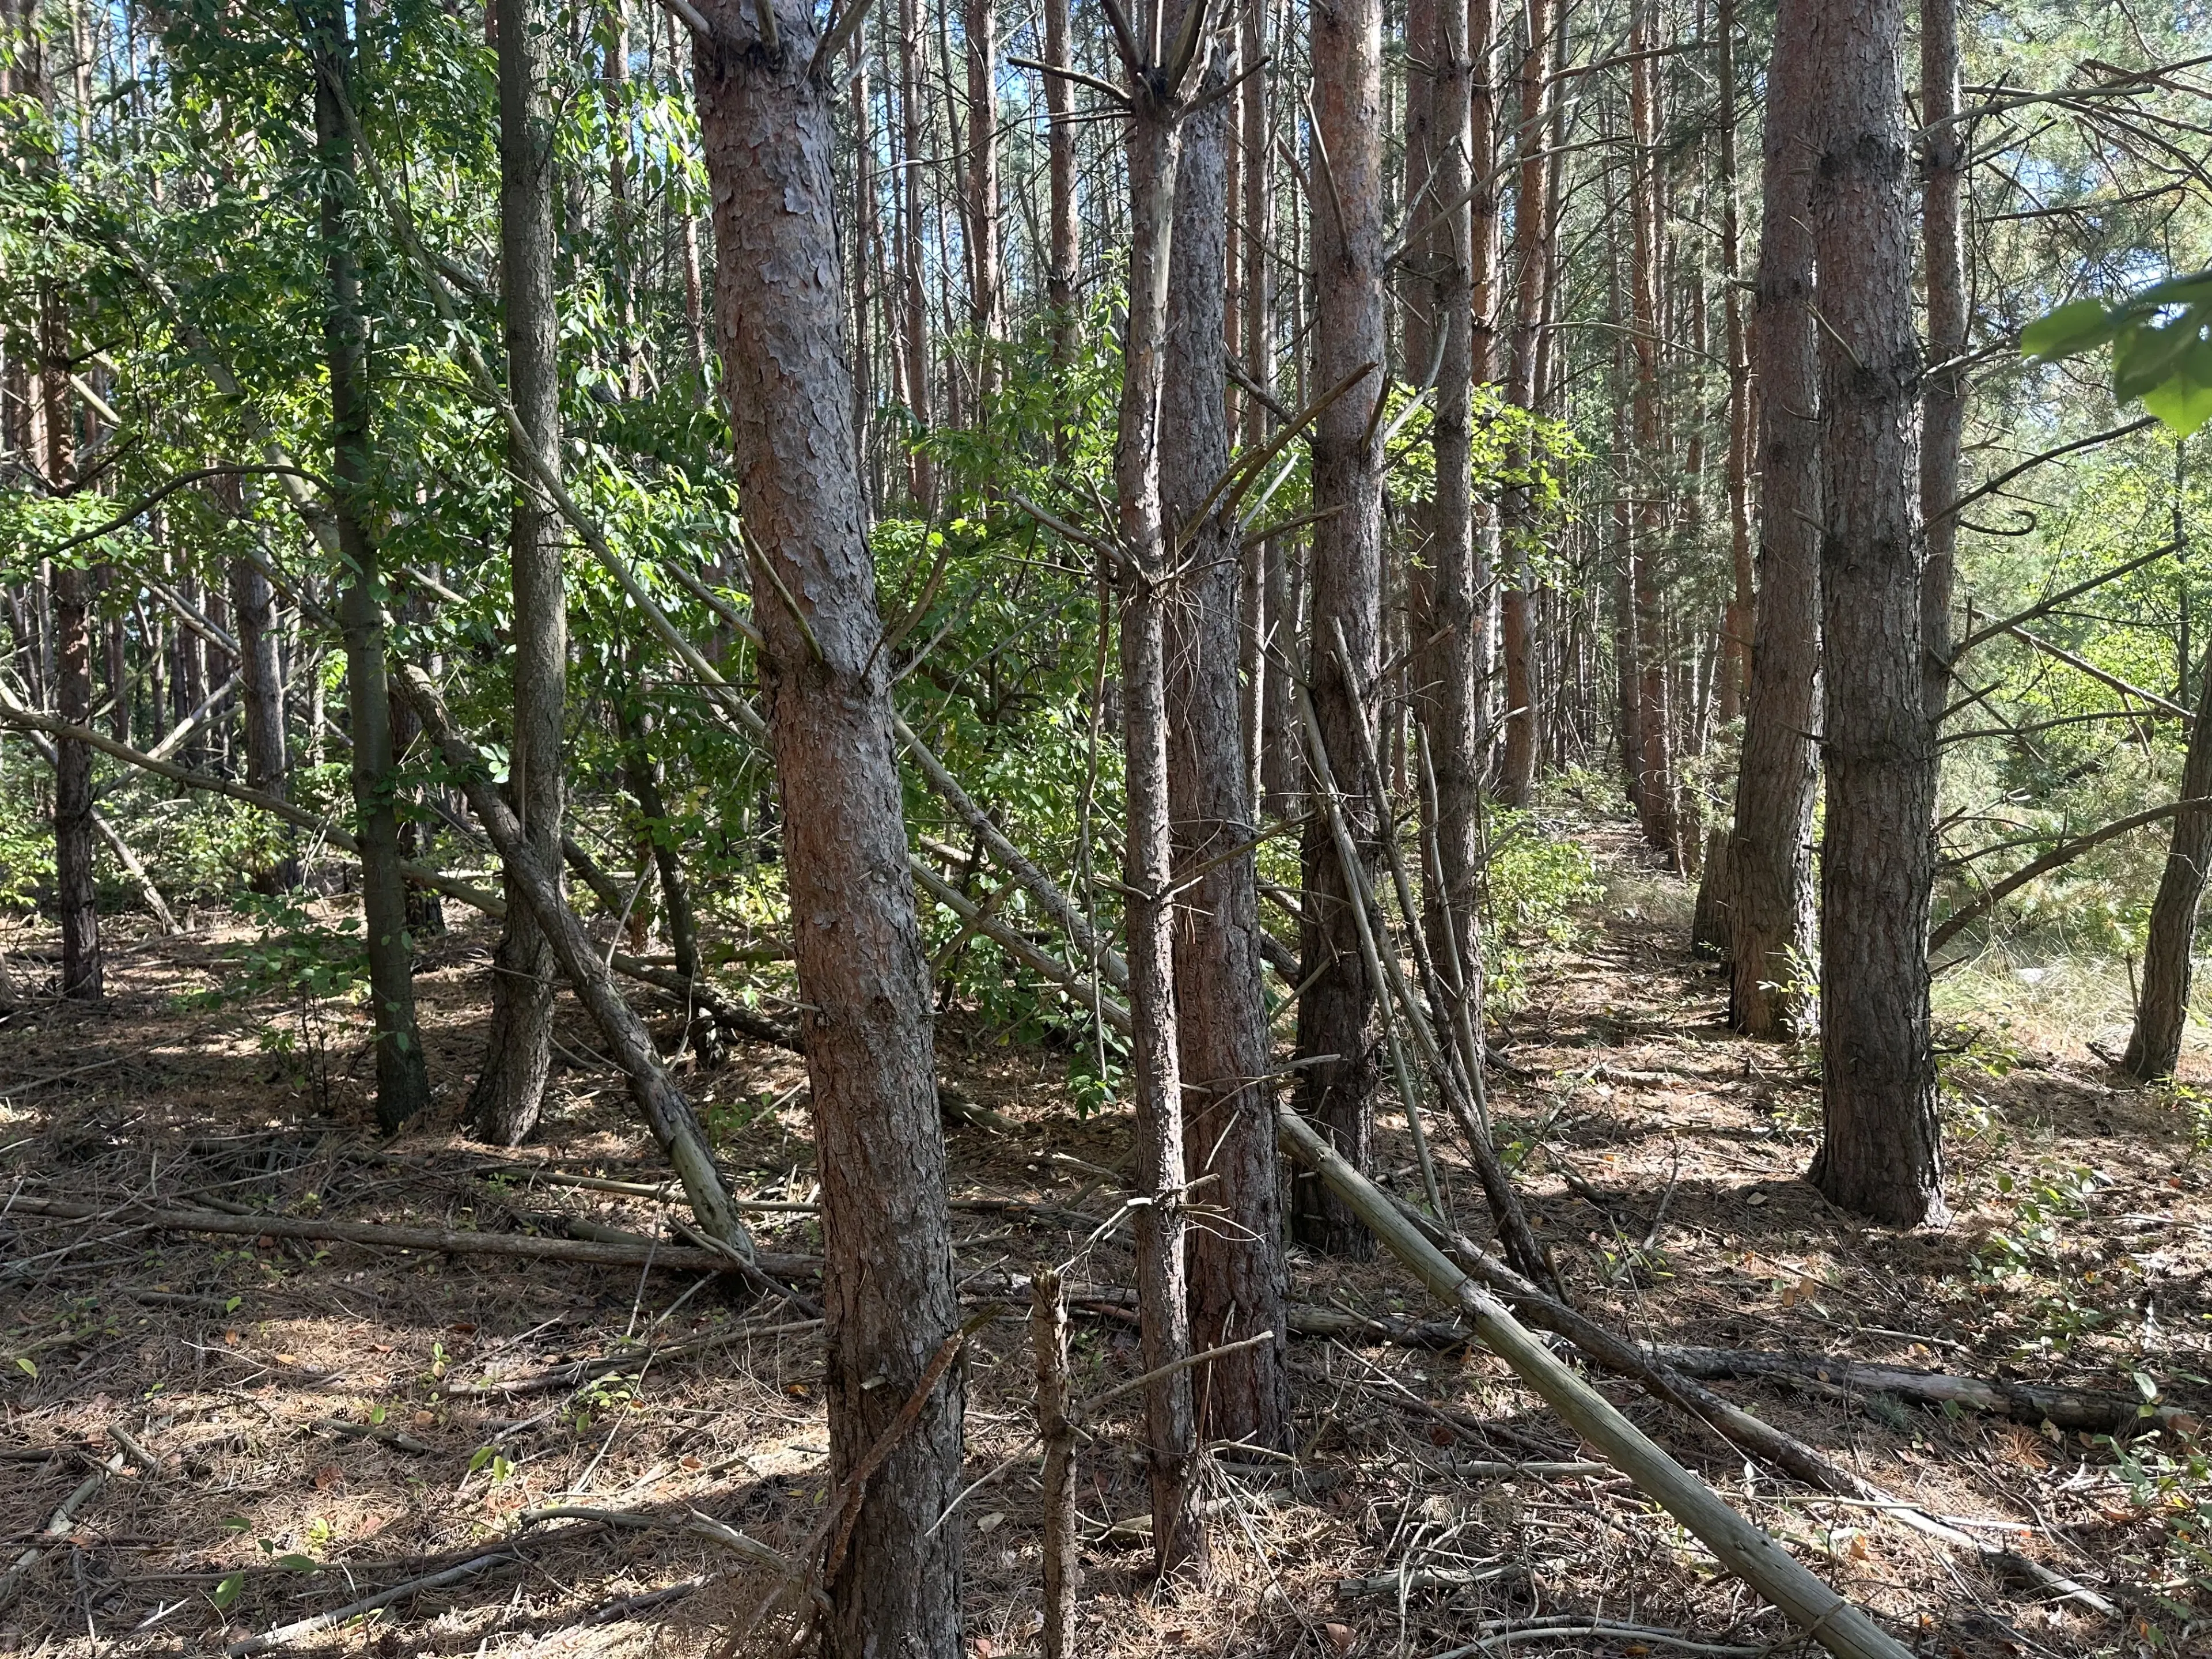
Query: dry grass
(220, 1355)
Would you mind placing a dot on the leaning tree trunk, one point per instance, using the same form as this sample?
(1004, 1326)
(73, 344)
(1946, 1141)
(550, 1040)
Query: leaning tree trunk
(403, 1080)
(76, 893)
(1235, 1262)
(2163, 1010)
(888, 1290)
(1771, 855)
(510, 1090)
(1881, 1154)
(1336, 1015)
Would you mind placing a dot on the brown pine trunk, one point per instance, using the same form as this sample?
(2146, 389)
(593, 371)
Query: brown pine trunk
(1517, 511)
(1336, 1015)
(76, 891)
(1770, 939)
(1439, 327)
(888, 1290)
(509, 1092)
(866, 261)
(403, 1080)
(267, 769)
(1235, 1262)
(1736, 653)
(2162, 1008)
(1654, 788)
(1067, 245)
(1943, 403)
(1147, 549)
(979, 24)
(1881, 1154)
(921, 470)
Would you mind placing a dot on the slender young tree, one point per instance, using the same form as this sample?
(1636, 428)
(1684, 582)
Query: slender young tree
(1654, 788)
(1147, 546)
(510, 1090)
(1881, 1154)
(1531, 211)
(888, 1292)
(1236, 1271)
(1337, 1014)
(261, 686)
(1943, 402)
(1447, 632)
(1066, 251)
(75, 893)
(1770, 940)
(403, 1078)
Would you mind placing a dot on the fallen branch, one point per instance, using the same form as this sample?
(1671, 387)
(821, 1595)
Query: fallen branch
(285, 1635)
(1745, 1549)
(2032, 1403)
(57, 1526)
(380, 1431)
(2064, 853)
(520, 1247)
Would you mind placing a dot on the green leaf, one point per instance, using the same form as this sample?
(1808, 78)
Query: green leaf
(24, 1364)
(2145, 357)
(227, 1592)
(299, 1563)
(2070, 329)
(2179, 407)
(2146, 1385)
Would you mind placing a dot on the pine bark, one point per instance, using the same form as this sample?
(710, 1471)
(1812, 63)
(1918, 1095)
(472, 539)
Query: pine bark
(1943, 403)
(1517, 516)
(979, 24)
(1066, 251)
(1770, 936)
(2162, 1008)
(1235, 1261)
(1147, 552)
(75, 889)
(1880, 1154)
(1337, 1015)
(253, 607)
(403, 1080)
(509, 1092)
(888, 1288)
(1654, 783)
(1439, 327)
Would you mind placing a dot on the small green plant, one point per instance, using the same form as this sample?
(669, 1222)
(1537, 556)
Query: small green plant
(310, 965)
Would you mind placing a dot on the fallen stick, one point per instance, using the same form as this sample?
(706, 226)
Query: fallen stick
(514, 1246)
(285, 1635)
(1751, 1554)
(381, 1431)
(2033, 1403)
(57, 1526)
(1612, 1351)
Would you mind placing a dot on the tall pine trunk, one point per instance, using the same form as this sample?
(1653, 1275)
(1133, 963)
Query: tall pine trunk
(1235, 1263)
(1517, 513)
(1943, 402)
(403, 1080)
(1880, 1154)
(1654, 783)
(1337, 1015)
(510, 1090)
(76, 892)
(253, 607)
(2162, 1008)
(1770, 936)
(888, 1292)
(1446, 606)
(1147, 552)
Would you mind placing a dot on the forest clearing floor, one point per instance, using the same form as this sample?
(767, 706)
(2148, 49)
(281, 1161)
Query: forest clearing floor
(1663, 1161)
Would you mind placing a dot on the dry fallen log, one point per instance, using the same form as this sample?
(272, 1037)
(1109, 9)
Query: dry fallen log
(515, 1246)
(2090, 1411)
(1745, 1549)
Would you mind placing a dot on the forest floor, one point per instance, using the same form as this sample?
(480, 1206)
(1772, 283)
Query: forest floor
(2078, 1254)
